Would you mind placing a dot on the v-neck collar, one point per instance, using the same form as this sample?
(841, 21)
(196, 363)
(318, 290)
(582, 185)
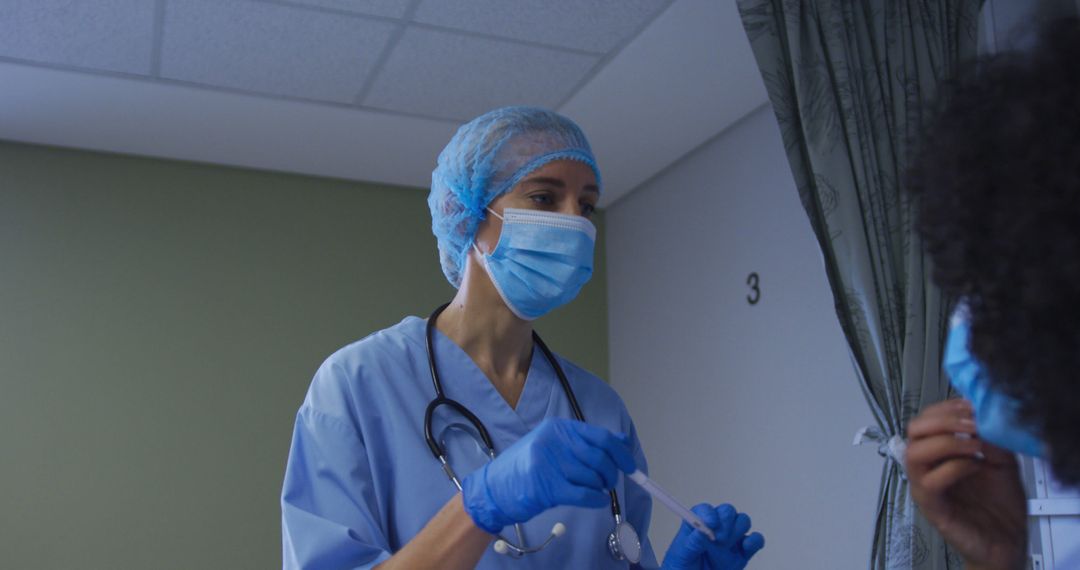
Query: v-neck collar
(463, 380)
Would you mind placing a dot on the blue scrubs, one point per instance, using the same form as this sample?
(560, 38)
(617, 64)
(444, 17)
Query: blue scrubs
(361, 481)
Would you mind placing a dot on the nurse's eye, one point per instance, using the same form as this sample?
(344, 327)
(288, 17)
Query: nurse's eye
(542, 198)
(587, 209)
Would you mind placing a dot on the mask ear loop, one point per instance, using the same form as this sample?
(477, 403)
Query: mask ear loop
(474, 245)
(487, 269)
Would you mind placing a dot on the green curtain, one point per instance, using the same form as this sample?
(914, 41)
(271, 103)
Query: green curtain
(849, 81)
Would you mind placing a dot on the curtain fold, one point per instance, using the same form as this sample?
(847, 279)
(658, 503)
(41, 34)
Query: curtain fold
(849, 82)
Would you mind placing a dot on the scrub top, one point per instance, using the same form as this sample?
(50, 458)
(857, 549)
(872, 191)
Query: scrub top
(361, 481)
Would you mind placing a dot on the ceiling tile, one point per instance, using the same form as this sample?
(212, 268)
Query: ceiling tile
(386, 8)
(458, 77)
(597, 25)
(271, 49)
(108, 35)
(688, 76)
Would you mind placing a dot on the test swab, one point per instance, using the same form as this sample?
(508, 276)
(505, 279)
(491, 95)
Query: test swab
(676, 507)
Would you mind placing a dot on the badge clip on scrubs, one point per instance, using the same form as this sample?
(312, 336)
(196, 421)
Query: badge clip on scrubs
(623, 542)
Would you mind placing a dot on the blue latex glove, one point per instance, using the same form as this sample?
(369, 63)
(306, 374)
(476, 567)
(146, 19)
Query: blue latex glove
(732, 550)
(560, 462)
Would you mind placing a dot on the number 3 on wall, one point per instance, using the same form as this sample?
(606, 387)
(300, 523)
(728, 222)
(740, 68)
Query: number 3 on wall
(755, 288)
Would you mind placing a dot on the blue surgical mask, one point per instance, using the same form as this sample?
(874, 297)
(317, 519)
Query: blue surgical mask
(995, 413)
(541, 261)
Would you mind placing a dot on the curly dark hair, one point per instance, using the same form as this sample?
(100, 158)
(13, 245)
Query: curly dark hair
(997, 182)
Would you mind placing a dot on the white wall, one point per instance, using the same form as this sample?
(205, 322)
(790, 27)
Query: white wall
(754, 405)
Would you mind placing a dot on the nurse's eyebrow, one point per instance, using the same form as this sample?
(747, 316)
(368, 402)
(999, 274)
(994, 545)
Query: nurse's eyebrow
(549, 181)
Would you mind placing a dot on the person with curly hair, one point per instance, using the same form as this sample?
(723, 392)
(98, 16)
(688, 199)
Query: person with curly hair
(996, 180)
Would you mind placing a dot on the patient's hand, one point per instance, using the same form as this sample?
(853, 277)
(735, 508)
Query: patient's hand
(967, 488)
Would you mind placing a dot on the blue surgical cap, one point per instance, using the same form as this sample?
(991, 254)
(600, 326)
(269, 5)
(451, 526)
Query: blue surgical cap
(485, 159)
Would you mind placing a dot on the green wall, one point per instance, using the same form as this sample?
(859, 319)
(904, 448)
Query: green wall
(159, 325)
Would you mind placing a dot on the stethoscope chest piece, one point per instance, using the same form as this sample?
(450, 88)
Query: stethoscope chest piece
(624, 543)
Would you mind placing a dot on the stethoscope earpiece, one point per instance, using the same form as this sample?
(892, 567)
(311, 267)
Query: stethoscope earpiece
(503, 546)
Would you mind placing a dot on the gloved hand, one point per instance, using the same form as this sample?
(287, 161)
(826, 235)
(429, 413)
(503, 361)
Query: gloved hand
(560, 462)
(732, 549)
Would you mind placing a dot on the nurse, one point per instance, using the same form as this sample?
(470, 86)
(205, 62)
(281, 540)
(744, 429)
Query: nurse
(460, 441)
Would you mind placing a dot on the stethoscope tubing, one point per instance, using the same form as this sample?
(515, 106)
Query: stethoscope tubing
(442, 400)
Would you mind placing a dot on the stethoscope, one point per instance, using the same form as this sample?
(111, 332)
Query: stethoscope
(623, 542)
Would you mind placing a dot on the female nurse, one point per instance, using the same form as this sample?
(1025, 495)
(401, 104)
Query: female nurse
(460, 441)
